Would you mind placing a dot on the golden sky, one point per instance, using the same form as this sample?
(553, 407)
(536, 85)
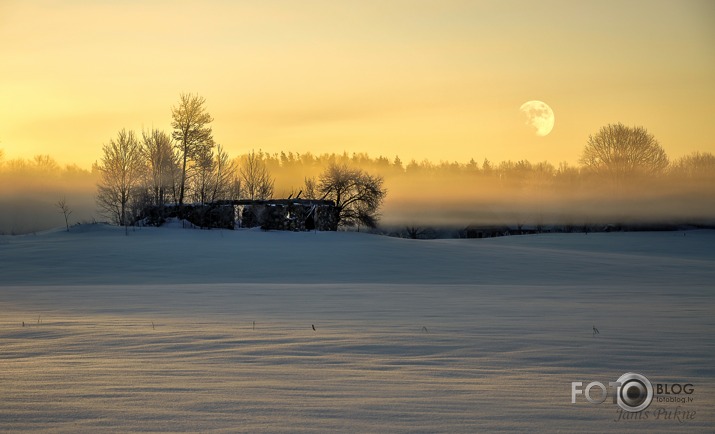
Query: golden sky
(441, 80)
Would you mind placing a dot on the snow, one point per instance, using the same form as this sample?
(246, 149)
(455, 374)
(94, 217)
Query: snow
(154, 331)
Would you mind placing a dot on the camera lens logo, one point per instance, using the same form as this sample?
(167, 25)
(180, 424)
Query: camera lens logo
(635, 393)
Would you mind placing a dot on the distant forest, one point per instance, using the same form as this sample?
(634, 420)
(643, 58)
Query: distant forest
(418, 192)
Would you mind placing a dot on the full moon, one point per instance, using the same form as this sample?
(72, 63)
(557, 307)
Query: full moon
(539, 116)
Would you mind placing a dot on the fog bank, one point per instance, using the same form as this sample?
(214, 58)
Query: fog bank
(418, 194)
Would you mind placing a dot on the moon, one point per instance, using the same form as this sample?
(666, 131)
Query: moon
(539, 116)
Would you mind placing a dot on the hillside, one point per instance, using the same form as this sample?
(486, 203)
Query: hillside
(179, 330)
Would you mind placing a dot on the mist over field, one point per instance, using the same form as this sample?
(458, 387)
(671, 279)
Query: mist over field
(448, 195)
(463, 201)
(29, 194)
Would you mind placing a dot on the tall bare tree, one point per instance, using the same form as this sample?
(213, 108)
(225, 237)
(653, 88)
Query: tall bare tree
(191, 133)
(121, 168)
(357, 194)
(256, 180)
(161, 164)
(619, 152)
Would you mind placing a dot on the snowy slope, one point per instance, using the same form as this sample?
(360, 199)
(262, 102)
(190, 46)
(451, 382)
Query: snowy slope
(98, 254)
(155, 331)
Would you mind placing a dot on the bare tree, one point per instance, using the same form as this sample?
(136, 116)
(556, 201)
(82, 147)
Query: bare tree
(226, 183)
(121, 170)
(45, 163)
(175, 178)
(215, 176)
(256, 181)
(415, 232)
(161, 164)
(202, 179)
(310, 188)
(357, 194)
(65, 210)
(191, 133)
(696, 166)
(619, 152)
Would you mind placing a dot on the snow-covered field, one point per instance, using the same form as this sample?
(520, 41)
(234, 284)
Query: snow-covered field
(212, 331)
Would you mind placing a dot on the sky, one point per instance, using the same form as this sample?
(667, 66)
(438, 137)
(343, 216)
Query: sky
(439, 80)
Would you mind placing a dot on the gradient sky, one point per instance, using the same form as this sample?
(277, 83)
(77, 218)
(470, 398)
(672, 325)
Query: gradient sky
(441, 80)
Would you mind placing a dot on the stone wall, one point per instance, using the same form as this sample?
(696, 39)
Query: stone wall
(278, 214)
(204, 216)
(288, 215)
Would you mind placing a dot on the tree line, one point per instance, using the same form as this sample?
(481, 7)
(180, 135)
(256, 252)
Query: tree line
(616, 156)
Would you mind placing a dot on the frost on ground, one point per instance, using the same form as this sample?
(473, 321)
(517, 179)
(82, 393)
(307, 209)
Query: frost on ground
(189, 330)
